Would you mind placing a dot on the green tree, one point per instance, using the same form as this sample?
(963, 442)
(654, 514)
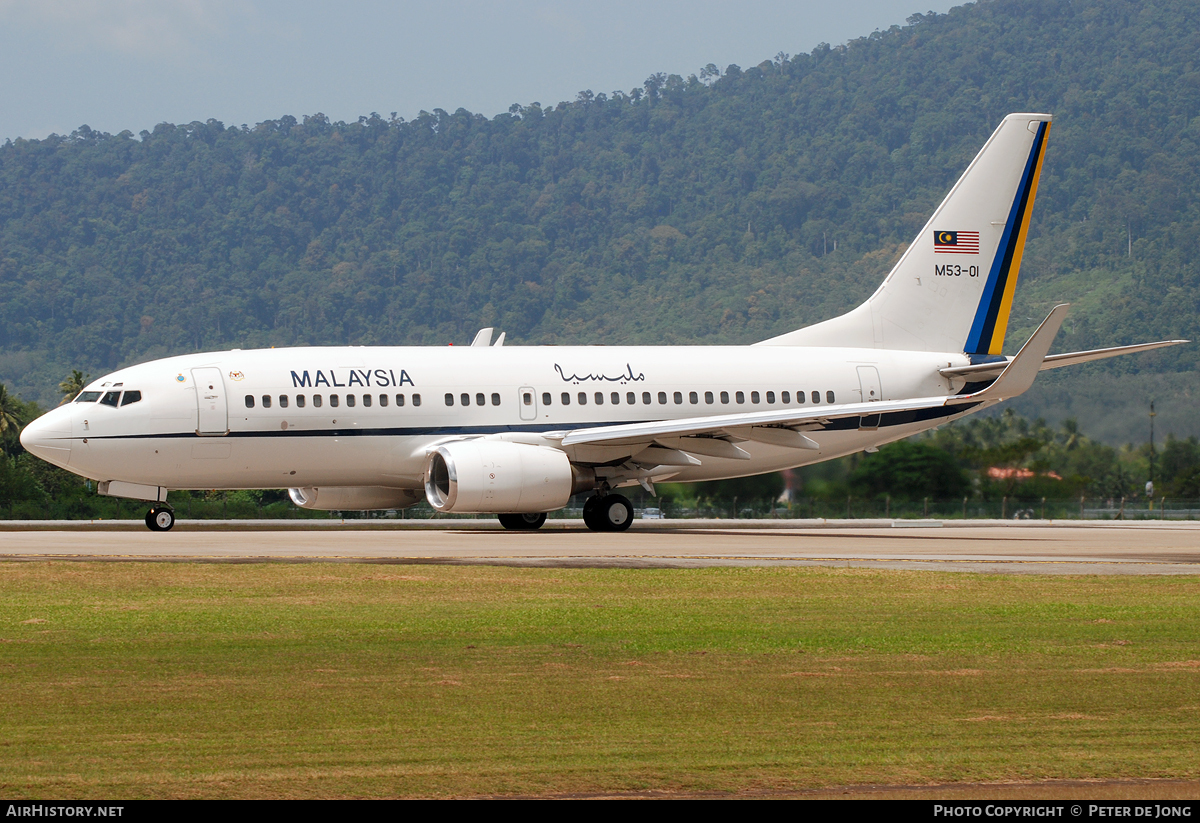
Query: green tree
(910, 470)
(73, 385)
(11, 412)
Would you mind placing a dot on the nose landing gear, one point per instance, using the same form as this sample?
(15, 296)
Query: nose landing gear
(160, 519)
(608, 513)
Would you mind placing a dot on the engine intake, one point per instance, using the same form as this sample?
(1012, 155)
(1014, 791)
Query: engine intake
(494, 476)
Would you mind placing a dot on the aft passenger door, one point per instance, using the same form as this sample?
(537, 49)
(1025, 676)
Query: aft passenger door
(212, 408)
(868, 381)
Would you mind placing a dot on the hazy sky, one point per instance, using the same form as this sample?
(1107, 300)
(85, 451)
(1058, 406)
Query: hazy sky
(130, 64)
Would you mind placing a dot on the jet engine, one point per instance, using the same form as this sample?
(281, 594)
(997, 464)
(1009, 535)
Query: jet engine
(466, 476)
(354, 498)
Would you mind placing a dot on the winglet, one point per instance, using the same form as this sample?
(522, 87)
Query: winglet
(1023, 369)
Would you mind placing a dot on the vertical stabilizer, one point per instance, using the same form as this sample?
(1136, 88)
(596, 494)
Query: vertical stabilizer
(953, 288)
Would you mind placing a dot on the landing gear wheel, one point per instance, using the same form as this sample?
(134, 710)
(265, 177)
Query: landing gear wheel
(160, 520)
(522, 522)
(616, 513)
(610, 513)
(590, 507)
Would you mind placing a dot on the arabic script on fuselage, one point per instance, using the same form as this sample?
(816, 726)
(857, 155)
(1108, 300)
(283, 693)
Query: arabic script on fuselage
(624, 377)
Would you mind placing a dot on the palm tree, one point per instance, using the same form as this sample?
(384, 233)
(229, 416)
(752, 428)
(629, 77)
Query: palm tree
(73, 385)
(10, 411)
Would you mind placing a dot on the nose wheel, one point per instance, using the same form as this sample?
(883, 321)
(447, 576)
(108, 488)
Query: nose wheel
(160, 519)
(608, 513)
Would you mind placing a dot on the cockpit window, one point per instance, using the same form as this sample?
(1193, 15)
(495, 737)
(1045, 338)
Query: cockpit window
(110, 398)
(88, 397)
(130, 397)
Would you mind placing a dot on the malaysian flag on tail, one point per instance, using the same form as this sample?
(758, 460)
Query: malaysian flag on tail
(956, 242)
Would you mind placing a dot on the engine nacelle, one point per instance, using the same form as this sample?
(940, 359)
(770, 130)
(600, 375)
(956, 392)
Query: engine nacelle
(354, 498)
(495, 476)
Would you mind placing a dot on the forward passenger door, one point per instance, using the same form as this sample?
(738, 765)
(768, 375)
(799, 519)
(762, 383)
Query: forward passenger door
(212, 408)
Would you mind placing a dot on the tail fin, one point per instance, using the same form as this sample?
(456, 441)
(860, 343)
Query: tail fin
(953, 288)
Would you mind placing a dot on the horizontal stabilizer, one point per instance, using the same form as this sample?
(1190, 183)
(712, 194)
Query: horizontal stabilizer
(986, 371)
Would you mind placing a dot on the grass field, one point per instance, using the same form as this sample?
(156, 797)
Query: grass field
(340, 680)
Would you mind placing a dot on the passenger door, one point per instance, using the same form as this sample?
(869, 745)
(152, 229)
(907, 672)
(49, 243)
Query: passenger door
(868, 381)
(212, 408)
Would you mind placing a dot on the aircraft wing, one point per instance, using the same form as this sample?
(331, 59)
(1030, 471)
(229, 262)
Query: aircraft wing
(786, 427)
(768, 426)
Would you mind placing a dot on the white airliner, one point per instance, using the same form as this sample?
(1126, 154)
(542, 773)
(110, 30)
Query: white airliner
(517, 431)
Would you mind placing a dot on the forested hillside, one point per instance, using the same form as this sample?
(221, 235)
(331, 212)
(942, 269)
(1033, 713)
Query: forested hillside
(726, 206)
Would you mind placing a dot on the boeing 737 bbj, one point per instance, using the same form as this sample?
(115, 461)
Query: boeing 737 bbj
(516, 431)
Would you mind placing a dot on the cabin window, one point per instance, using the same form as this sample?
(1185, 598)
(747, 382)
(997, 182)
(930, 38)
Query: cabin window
(317, 401)
(829, 397)
(299, 401)
(662, 398)
(566, 398)
(708, 398)
(631, 398)
(449, 399)
(350, 400)
(465, 398)
(816, 397)
(283, 401)
(249, 401)
(693, 398)
(800, 397)
(615, 397)
(527, 398)
(678, 398)
(770, 397)
(646, 397)
(785, 397)
(754, 397)
(495, 398)
(266, 401)
(110, 398)
(599, 398)
(725, 397)
(400, 400)
(88, 397)
(416, 399)
(546, 398)
(740, 397)
(383, 399)
(366, 400)
(582, 398)
(333, 401)
(480, 400)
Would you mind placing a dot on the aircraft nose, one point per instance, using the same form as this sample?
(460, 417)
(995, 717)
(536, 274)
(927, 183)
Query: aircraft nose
(49, 437)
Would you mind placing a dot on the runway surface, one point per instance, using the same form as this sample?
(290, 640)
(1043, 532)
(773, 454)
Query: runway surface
(997, 547)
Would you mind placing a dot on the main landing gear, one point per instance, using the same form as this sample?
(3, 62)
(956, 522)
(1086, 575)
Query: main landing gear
(160, 519)
(608, 513)
(522, 522)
